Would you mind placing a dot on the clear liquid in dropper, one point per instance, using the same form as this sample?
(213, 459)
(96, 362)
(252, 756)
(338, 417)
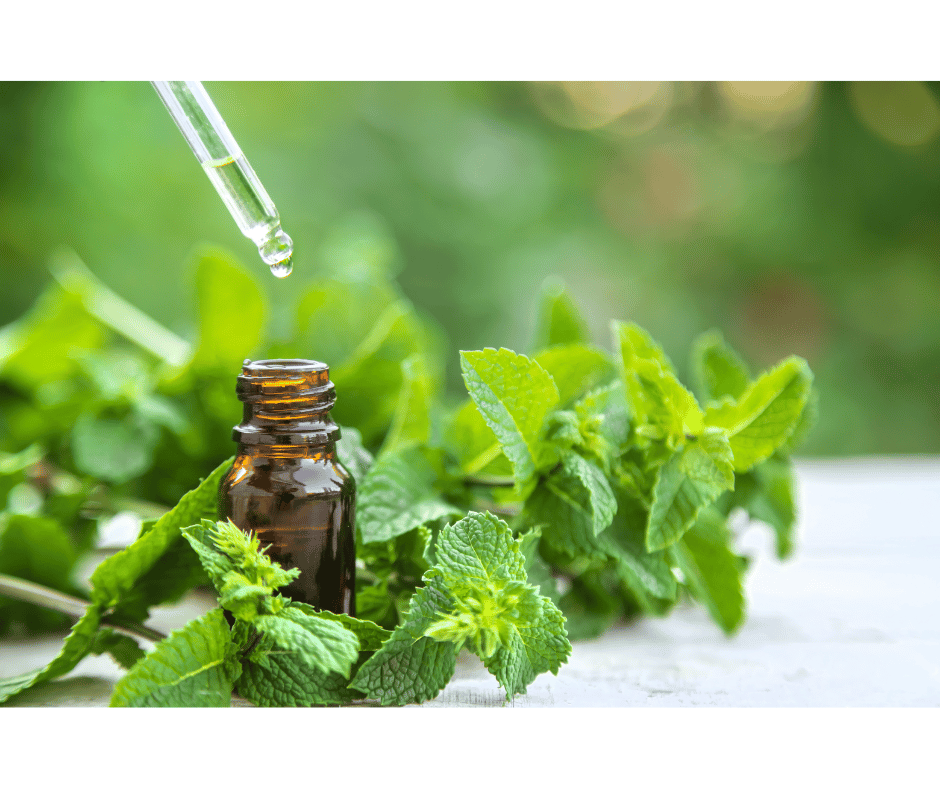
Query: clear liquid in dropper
(257, 218)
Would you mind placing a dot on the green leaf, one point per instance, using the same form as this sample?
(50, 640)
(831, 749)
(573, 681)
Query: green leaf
(766, 494)
(411, 423)
(174, 573)
(474, 444)
(590, 607)
(576, 369)
(37, 549)
(635, 344)
(559, 321)
(231, 312)
(280, 679)
(316, 641)
(334, 316)
(370, 635)
(409, 667)
(476, 594)
(397, 496)
(194, 666)
(13, 469)
(513, 394)
(244, 577)
(766, 414)
(215, 563)
(603, 425)
(47, 343)
(537, 570)
(374, 603)
(113, 449)
(369, 381)
(115, 576)
(122, 648)
(808, 418)
(691, 478)
(711, 569)
(77, 646)
(717, 371)
(662, 407)
(574, 503)
(537, 644)
(625, 542)
(352, 454)
(515, 631)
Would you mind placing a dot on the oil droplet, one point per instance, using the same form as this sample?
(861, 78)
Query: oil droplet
(283, 268)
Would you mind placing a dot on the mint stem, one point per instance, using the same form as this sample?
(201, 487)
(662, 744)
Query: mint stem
(489, 481)
(26, 591)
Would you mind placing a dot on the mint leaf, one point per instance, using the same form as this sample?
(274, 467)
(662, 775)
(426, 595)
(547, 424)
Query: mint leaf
(501, 618)
(370, 635)
(559, 321)
(353, 456)
(194, 666)
(122, 648)
(175, 572)
(476, 595)
(409, 667)
(717, 371)
(335, 315)
(574, 503)
(473, 443)
(244, 577)
(537, 570)
(113, 449)
(317, 642)
(691, 478)
(712, 571)
(766, 414)
(370, 379)
(282, 680)
(513, 394)
(766, 494)
(537, 643)
(576, 369)
(231, 312)
(624, 541)
(662, 407)
(808, 418)
(115, 576)
(279, 679)
(397, 496)
(590, 606)
(48, 342)
(36, 548)
(77, 646)
(411, 422)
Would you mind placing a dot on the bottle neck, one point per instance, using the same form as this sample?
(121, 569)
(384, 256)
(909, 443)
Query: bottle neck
(307, 451)
(287, 403)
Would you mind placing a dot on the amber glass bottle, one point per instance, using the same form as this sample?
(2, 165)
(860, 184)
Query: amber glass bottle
(286, 484)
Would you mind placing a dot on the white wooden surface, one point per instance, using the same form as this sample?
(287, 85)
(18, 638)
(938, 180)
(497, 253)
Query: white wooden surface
(851, 620)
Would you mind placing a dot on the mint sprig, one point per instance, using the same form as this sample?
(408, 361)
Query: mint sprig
(476, 596)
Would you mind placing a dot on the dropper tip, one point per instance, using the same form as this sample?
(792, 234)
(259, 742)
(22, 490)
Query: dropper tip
(276, 249)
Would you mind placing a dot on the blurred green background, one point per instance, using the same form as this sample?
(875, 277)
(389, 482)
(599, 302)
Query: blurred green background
(796, 217)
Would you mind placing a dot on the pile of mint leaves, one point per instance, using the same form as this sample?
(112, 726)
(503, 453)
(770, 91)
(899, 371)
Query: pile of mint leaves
(571, 488)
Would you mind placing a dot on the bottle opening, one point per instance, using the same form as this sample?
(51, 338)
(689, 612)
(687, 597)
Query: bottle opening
(276, 366)
(278, 378)
(287, 400)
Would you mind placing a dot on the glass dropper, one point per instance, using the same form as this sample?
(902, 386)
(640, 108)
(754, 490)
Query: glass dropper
(229, 171)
